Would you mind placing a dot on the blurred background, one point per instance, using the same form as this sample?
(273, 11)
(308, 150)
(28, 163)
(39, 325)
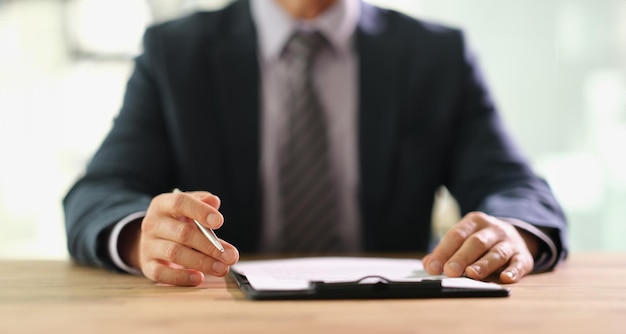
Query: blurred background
(557, 69)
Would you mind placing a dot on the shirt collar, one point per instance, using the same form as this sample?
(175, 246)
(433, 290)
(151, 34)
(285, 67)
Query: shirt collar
(275, 26)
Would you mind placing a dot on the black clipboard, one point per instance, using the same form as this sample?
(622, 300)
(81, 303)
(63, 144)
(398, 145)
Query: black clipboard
(363, 288)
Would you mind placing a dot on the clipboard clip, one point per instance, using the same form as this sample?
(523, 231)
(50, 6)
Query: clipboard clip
(375, 283)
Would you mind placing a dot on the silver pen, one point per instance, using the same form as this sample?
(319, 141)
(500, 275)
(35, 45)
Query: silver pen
(208, 233)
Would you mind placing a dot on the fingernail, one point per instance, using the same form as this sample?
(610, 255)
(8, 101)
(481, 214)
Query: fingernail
(218, 267)
(213, 220)
(511, 275)
(456, 268)
(435, 267)
(229, 255)
(476, 269)
(195, 278)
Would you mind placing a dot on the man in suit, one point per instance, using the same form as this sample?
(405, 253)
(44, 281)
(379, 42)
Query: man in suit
(406, 111)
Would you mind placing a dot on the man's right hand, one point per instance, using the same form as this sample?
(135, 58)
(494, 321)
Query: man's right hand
(168, 247)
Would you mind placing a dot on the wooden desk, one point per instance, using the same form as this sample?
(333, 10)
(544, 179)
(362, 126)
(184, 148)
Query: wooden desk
(587, 294)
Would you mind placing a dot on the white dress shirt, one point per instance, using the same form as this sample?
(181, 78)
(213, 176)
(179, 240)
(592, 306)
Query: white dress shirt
(335, 79)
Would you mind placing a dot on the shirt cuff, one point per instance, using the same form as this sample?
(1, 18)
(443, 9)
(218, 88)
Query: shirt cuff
(114, 238)
(547, 256)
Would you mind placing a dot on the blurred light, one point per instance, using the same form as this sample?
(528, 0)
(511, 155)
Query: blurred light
(605, 100)
(577, 180)
(110, 27)
(570, 31)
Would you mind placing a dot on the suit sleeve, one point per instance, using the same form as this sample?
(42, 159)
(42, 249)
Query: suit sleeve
(488, 173)
(131, 166)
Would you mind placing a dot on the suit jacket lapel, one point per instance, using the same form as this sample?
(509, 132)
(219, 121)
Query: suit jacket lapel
(237, 71)
(380, 73)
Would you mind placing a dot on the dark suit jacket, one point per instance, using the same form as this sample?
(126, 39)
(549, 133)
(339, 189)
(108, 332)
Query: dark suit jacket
(190, 119)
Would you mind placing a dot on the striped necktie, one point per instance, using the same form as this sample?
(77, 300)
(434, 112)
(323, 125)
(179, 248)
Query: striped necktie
(309, 198)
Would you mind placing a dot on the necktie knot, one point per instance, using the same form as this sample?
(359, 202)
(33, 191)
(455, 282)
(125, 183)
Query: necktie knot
(303, 46)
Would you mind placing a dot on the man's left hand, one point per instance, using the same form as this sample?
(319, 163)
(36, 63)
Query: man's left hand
(481, 245)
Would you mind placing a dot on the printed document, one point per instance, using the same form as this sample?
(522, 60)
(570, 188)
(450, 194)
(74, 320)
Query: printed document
(297, 273)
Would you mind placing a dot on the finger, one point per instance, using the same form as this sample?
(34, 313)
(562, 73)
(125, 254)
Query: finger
(449, 244)
(230, 255)
(186, 205)
(187, 233)
(426, 260)
(163, 272)
(173, 252)
(496, 258)
(207, 197)
(474, 247)
(520, 265)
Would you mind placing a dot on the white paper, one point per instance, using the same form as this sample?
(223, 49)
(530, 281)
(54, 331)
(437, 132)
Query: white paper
(295, 274)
